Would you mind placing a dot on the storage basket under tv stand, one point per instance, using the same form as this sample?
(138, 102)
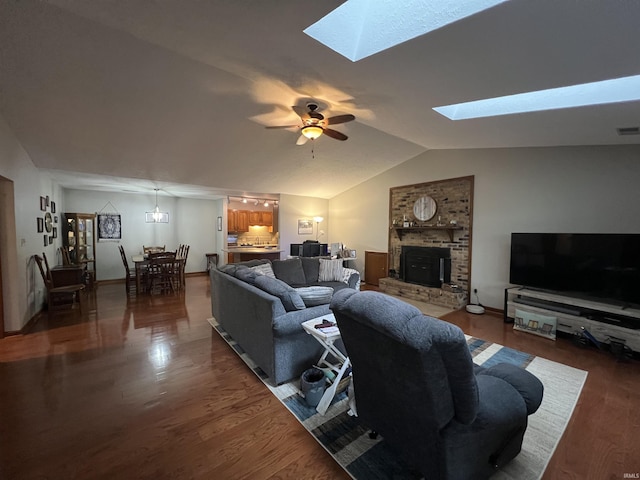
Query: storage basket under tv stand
(605, 321)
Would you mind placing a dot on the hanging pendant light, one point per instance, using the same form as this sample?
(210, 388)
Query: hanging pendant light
(156, 216)
(156, 211)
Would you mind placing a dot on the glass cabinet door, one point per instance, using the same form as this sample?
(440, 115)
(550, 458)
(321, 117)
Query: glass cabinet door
(80, 239)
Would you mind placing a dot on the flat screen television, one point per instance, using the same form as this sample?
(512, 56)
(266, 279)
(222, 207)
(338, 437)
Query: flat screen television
(597, 266)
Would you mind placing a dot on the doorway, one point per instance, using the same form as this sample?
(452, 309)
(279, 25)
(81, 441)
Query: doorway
(7, 245)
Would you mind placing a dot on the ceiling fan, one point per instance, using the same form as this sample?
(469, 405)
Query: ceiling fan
(314, 124)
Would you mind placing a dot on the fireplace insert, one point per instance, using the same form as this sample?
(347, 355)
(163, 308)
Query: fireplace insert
(428, 266)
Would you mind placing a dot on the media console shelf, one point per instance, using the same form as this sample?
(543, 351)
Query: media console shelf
(606, 322)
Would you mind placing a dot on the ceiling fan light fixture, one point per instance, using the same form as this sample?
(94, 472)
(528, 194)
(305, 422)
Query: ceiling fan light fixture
(312, 131)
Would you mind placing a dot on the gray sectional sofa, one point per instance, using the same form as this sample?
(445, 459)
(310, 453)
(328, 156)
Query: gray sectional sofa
(262, 304)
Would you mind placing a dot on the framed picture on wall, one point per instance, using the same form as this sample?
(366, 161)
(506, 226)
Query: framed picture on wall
(219, 224)
(53, 207)
(43, 204)
(40, 224)
(46, 240)
(305, 226)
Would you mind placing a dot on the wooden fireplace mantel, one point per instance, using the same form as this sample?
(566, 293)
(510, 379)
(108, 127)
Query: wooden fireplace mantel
(445, 228)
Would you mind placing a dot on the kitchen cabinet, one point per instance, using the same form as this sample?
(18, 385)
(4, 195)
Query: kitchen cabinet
(261, 218)
(238, 220)
(375, 267)
(267, 219)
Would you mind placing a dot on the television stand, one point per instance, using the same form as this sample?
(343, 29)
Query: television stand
(607, 323)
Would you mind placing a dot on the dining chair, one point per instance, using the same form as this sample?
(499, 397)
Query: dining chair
(58, 297)
(64, 254)
(181, 256)
(130, 274)
(46, 263)
(156, 249)
(163, 272)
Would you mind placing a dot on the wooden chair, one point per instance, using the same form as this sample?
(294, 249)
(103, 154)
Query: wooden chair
(58, 297)
(181, 256)
(46, 262)
(130, 275)
(66, 257)
(163, 272)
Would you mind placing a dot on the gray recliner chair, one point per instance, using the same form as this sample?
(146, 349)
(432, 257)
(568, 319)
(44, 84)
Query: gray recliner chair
(416, 385)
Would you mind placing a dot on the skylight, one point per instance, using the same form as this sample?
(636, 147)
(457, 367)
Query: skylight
(625, 89)
(360, 28)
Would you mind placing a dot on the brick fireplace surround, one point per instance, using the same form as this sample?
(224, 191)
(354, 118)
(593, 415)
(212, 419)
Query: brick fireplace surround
(454, 201)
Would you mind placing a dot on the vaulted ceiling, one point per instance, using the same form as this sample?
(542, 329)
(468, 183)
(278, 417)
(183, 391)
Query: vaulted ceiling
(128, 95)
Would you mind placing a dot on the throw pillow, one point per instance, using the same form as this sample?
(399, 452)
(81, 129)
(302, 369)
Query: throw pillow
(289, 271)
(349, 279)
(229, 268)
(264, 269)
(288, 296)
(311, 267)
(246, 275)
(330, 270)
(312, 296)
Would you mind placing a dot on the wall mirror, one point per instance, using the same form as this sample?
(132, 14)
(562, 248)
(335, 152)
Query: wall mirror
(47, 222)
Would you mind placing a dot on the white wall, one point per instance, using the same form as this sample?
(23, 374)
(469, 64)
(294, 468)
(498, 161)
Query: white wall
(23, 289)
(191, 221)
(565, 189)
(294, 207)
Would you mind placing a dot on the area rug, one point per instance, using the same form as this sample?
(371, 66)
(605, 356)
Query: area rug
(366, 459)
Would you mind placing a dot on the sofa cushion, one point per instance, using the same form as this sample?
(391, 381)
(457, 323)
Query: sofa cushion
(264, 269)
(311, 268)
(312, 296)
(288, 296)
(330, 270)
(289, 271)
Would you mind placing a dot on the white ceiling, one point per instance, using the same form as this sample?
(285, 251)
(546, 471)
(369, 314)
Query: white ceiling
(176, 93)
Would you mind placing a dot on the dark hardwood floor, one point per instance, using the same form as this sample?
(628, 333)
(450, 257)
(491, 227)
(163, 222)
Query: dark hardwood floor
(144, 388)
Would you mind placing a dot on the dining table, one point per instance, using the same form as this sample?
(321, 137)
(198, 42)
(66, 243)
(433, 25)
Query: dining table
(141, 263)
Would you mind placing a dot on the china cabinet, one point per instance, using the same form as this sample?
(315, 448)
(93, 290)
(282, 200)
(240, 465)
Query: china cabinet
(79, 238)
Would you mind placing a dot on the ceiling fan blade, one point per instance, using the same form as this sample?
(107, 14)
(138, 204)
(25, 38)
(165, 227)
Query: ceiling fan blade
(340, 119)
(283, 126)
(302, 140)
(301, 112)
(335, 134)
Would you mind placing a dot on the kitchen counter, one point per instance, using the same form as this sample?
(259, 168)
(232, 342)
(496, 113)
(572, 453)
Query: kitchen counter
(242, 254)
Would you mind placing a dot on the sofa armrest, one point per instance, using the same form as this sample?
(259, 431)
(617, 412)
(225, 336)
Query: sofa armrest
(291, 322)
(527, 384)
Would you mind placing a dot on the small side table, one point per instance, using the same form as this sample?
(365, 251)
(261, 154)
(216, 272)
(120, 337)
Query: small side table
(327, 340)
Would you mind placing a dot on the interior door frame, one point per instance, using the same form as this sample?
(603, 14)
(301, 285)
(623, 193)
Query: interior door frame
(7, 244)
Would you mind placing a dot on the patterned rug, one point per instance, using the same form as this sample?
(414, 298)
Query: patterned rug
(366, 459)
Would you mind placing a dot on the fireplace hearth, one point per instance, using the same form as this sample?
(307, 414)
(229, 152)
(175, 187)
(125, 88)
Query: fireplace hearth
(428, 266)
